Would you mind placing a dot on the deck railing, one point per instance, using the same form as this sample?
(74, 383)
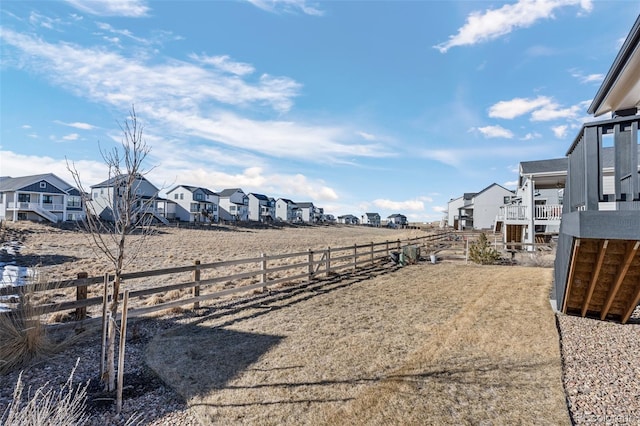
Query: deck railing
(520, 212)
(590, 160)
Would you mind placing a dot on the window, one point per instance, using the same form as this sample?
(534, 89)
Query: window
(232, 208)
(24, 198)
(47, 199)
(198, 197)
(43, 185)
(175, 196)
(73, 201)
(95, 195)
(182, 196)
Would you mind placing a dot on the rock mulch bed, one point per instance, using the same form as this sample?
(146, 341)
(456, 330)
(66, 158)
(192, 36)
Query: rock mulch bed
(601, 366)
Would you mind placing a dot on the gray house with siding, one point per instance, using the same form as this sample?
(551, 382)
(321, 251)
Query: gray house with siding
(233, 205)
(43, 197)
(192, 204)
(598, 255)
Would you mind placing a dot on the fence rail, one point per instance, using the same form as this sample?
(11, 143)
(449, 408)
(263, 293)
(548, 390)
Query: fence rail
(305, 266)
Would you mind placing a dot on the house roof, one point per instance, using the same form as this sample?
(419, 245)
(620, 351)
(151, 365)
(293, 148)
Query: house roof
(350, 216)
(372, 214)
(286, 200)
(491, 186)
(469, 195)
(395, 215)
(544, 166)
(111, 181)
(229, 192)
(8, 183)
(261, 197)
(192, 189)
(304, 205)
(620, 89)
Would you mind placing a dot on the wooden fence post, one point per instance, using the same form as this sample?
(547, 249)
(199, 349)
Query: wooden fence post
(310, 264)
(355, 257)
(196, 289)
(372, 252)
(263, 268)
(398, 244)
(123, 341)
(328, 262)
(386, 249)
(103, 343)
(81, 294)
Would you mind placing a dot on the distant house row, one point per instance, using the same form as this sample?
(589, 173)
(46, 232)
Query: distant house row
(533, 209)
(47, 197)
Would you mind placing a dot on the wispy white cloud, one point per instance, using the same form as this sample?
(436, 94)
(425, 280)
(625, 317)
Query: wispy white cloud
(289, 6)
(461, 158)
(542, 108)
(71, 137)
(494, 132)
(128, 8)
(494, 23)
(366, 136)
(77, 125)
(553, 111)
(399, 206)
(587, 78)
(510, 184)
(185, 98)
(531, 135)
(39, 20)
(560, 131)
(224, 63)
(126, 33)
(517, 107)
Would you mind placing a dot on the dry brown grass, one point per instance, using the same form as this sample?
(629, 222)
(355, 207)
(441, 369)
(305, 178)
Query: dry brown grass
(428, 344)
(23, 337)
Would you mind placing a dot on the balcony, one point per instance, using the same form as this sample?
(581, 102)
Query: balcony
(544, 214)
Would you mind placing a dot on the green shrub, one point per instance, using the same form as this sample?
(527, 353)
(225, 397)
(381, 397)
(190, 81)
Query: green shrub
(482, 253)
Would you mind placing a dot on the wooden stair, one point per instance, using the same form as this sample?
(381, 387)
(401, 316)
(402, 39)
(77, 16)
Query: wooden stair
(603, 279)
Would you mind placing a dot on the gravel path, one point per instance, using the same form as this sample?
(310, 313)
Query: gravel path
(601, 363)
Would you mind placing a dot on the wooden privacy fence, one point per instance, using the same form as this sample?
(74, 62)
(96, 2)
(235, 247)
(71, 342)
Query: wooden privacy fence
(260, 271)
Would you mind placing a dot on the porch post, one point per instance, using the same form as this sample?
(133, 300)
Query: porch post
(531, 200)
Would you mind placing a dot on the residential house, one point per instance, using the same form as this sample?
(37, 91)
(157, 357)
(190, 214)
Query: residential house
(233, 205)
(479, 210)
(598, 254)
(286, 210)
(39, 197)
(397, 220)
(307, 212)
(370, 219)
(261, 208)
(192, 204)
(348, 219)
(533, 214)
(106, 196)
(452, 212)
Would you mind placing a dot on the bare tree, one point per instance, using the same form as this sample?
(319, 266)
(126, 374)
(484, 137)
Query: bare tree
(110, 221)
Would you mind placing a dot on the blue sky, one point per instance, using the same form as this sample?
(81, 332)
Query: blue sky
(358, 106)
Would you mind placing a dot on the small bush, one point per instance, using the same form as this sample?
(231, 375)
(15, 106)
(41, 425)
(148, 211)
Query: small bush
(23, 337)
(482, 253)
(47, 406)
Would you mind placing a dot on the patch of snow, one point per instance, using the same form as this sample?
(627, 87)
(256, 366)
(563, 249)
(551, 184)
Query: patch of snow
(12, 275)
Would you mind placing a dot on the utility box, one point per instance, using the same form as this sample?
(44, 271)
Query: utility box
(410, 254)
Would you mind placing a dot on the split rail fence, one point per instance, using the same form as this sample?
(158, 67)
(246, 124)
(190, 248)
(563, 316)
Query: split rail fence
(254, 273)
(215, 280)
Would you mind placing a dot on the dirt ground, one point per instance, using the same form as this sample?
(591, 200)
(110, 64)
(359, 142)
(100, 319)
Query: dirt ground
(425, 344)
